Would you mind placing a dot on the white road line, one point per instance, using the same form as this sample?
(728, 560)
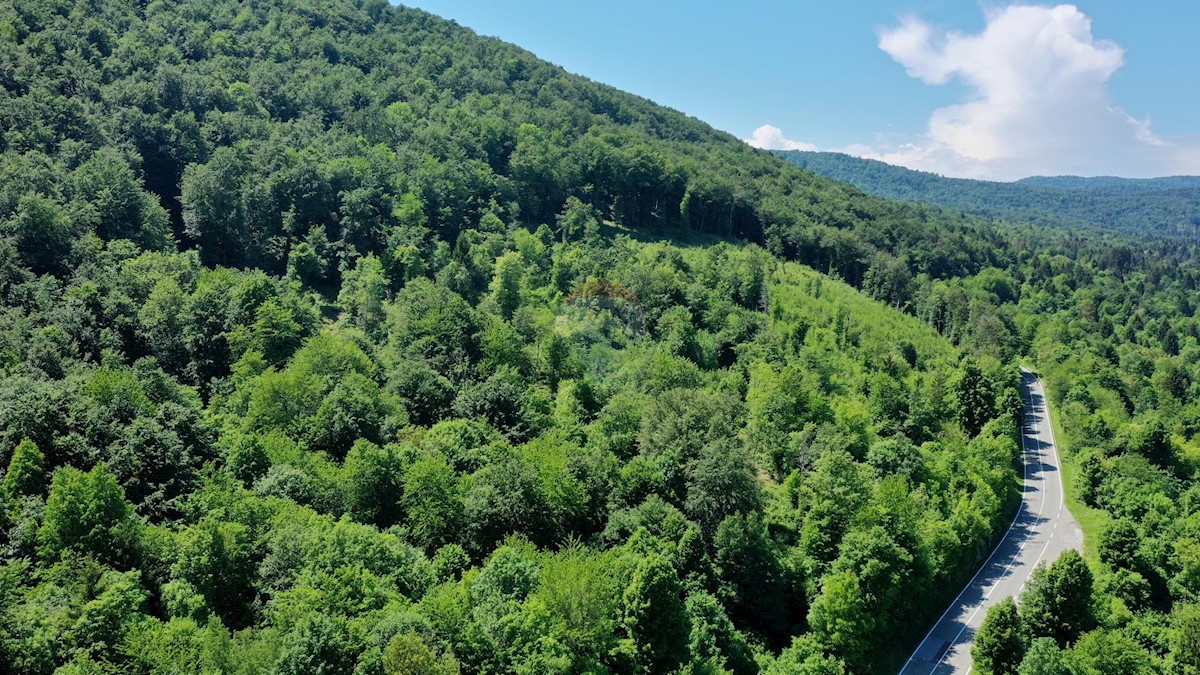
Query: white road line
(1020, 508)
(1041, 506)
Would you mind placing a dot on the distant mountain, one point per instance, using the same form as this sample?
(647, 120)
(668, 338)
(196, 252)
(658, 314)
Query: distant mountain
(1161, 206)
(1113, 183)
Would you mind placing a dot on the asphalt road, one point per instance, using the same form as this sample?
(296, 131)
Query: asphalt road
(1041, 530)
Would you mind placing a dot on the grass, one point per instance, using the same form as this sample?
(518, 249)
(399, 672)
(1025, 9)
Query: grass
(1091, 521)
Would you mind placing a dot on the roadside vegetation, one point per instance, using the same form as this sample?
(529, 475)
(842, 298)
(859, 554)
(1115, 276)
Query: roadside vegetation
(335, 338)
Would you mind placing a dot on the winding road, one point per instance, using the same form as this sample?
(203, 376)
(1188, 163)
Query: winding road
(1041, 530)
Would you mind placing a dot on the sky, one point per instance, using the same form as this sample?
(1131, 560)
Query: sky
(981, 90)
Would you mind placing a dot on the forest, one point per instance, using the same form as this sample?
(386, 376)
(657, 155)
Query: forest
(1168, 206)
(337, 339)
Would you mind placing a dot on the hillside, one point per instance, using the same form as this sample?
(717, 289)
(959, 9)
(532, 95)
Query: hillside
(1159, 206)
(336, 338)
(1113, 184)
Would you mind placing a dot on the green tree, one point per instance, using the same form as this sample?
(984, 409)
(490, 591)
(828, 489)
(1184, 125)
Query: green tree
(373, 478)
(1101, 652)
(841, 620)
(213, 210)
(363, 294)
(578, 220)
(755, 584)
(26, 475)
(43, 234)
(1000, 642)
(805, 656)
(976, 403)
(214, 557)
(654, 617)
(1119, 545)
(408, 654)
(720, 483)
(1185, 643)
(714, 639)
(86, 514)
(433, 501)
(508, 283)
(320, 645)
(1043, 658)
(1057, 602)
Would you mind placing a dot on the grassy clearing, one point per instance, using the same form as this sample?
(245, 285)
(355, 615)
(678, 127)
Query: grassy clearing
(1091, 521)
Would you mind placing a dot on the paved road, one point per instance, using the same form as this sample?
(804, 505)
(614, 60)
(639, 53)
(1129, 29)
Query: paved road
(1042, 529)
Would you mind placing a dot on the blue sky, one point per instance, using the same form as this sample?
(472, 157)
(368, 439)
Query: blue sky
(986, 90)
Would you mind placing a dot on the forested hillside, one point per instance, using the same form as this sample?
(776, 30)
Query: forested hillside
(338, 339)
(1113, 184)
(1158, 206)
(332, 342)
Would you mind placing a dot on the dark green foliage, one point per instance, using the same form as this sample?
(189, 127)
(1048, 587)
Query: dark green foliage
(374, 483)
(720, 483)
(759, 590)
(653, 615)
(42, 233)
(356, 342)
(976, 403)
(1119, 545)
(1133, 206)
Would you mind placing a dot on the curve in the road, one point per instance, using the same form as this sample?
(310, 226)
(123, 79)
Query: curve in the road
(1033, 535)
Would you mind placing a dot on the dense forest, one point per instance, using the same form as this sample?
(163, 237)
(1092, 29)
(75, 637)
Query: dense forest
(1157, 206)
(335, 338)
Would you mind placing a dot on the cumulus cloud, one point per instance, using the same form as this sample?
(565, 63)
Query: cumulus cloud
(1038, 101)
(770, 137)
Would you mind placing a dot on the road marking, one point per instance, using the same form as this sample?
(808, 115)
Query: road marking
(1016, 555)
(1016, 516)
(1037, 420)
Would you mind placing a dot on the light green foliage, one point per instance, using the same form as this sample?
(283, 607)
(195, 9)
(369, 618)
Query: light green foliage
(364, 291)
(432, 499)
(1043, 658)
(1104, 651)
(86, 514)
(999, 645)
(407, 654)
(319, 646)
(465, 363)
(26, 474)
(507, 283)
(1058, 600)
(840, 619)
(214, 559)
(805, 657)
(578, 220)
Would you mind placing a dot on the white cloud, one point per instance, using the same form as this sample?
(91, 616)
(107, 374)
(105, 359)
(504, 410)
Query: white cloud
(770, 137)
(1038, 101)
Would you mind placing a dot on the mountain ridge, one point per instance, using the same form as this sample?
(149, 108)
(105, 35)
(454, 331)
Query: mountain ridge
(1167, 206)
